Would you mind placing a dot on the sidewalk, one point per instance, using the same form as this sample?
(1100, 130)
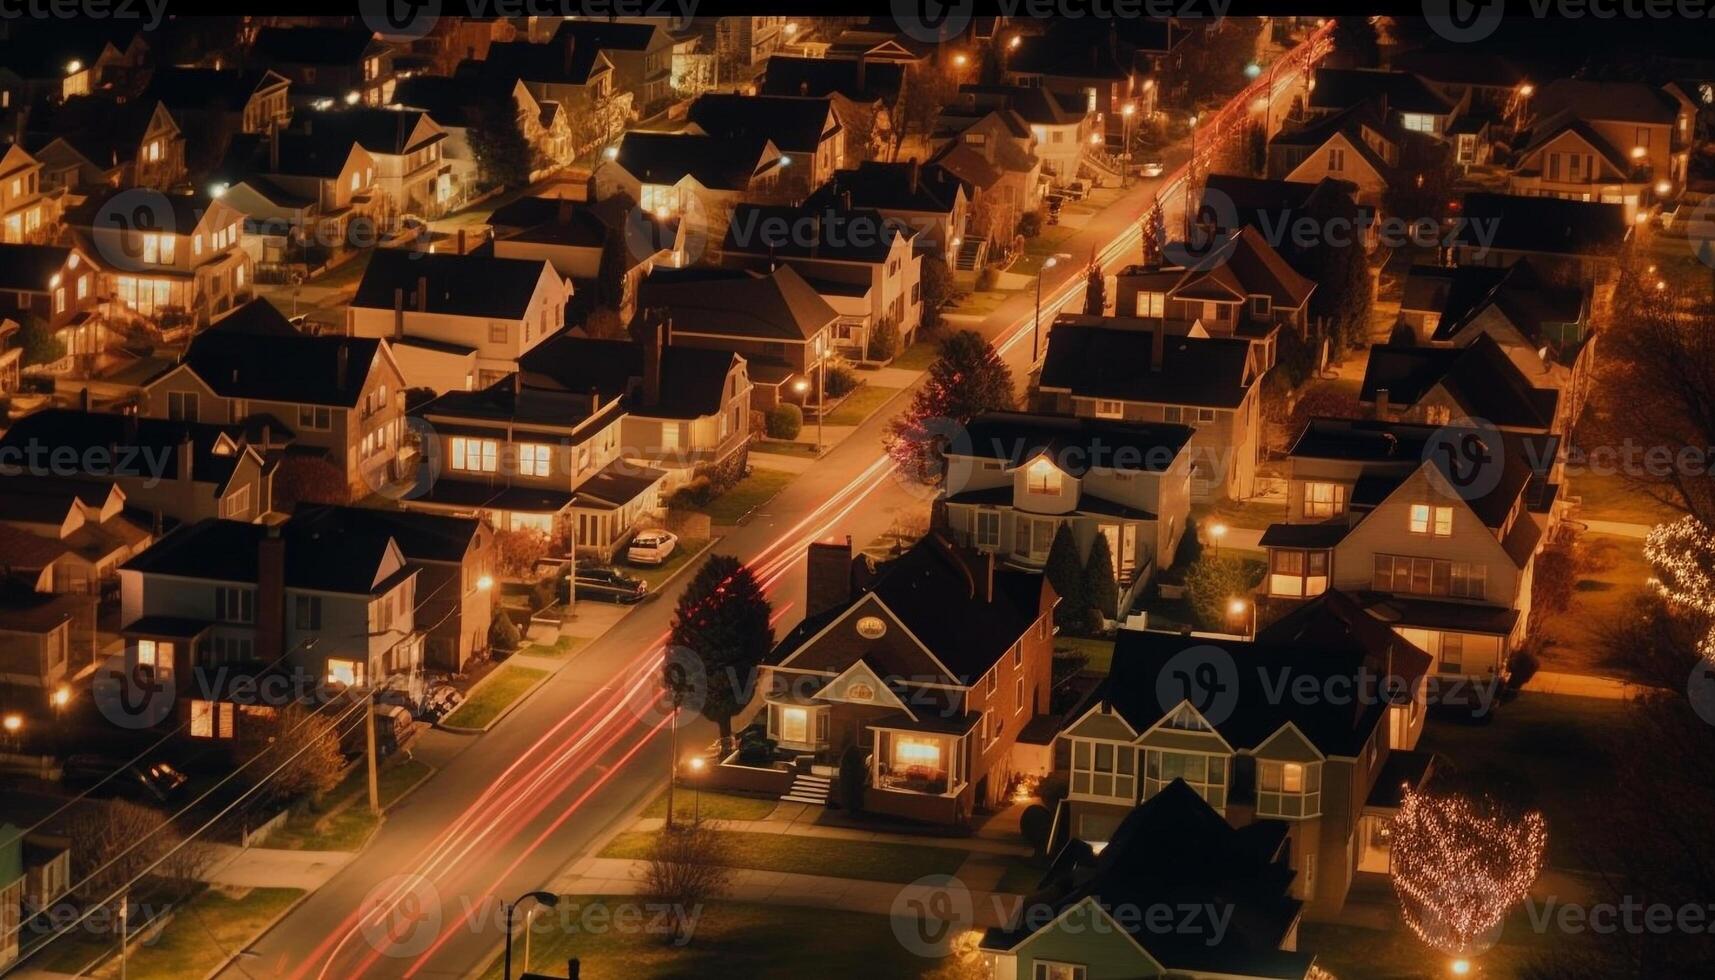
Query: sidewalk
(265, 867)
(1619, 528)
(796, 820)
(1582, 686)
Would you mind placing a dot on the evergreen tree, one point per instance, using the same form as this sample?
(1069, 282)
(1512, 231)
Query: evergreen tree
(504, 157)
(39, 344)
(1356, 43)
(615, 263)
(1095, 288)
(1066, 573)
(1154, 232)
(722, 618)
(1101, 584)
(969, 378)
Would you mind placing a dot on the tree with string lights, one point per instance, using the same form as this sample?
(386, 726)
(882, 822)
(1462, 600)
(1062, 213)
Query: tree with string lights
(1154, 229)
(1682, 554)
(966, 380)
(1460, 863)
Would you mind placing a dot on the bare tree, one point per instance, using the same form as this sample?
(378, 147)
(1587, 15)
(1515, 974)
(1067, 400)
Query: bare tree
(685, 868)
(117, 841)
(291, 752)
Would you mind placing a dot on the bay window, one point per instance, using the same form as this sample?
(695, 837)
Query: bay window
(1104, 769)
(1288, 789)
(1045, 970)
(1298, 573)
(1207, 774)
(347, 672)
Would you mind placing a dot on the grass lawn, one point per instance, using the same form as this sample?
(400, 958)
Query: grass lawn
(1548, 745)
(1100, 653)
(868, 860)
(748, 494)
(715, 805)
(493, 695)
(197, 939)
(860, 405)
(1611, 576)
(783, 447)
(979, 302)
(346, 830)
(687, 551)
(920, 355)
(1607, 497)
(731, 939)
(559, 648)
(1396, 954)
(1240, 513)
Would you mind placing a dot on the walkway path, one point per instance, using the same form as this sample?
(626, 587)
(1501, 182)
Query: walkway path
(1621, 528)
(267, 867)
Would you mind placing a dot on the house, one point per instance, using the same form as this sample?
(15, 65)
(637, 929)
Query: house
(687, 409)
(1544, 327)
(1235, 285)
(46, 640)
(806, 130)
(1478, 381)
(1488, 83)
(214, 103)
(1439, 545)
(58, 59)
(11, 355)
(995, 159)
(66, 534)
(579, 79)
(228, 599)
(928, 199)
(489, 310)
(55, 284)
(1609, 141)
(775, 321)
(862, 263)
(1294, 217)
(1013, 478)
(641, 55)
(404, 146)
(934, 665)
(573, 237)
(312, 192)
(744, 42)
(1403, 98)
(689, 174)
(862, 92)
(1058, 123)
(1125, 369)
(1088, 917)
(456, 105)
(29, 213)
(180, 470)
(328, 64)
(1069, 62)
(342, 397)
(1357, 145)
(188, 269)
(454, 559)
(527, 454)
(1329, 769)
(97, 140)
(1567, 241)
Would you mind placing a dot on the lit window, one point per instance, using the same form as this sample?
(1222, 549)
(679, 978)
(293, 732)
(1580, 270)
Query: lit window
(1107, 408)
(475, 455)
(1104, 769)
(1043, 479)
(347, 672)
(1324, 499)
(211, 719)
(533, 459)
(1288, 789)
(1431, 520)
(1152, 304)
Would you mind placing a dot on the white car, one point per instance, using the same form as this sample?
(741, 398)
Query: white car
(1150, 169)
(651, 547)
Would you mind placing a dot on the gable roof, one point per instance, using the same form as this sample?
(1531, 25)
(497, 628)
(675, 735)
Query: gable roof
(239, 361)
(334, 46)
(1075, 444)
(141, 447)
(420, 536)
(189, 88)
(458, 284)
(610, 35)
(321, 153)
(834, 233)
(1551, 127)
(1241, 263)
(1459, 294)
(866, 81)
(907, 186)
(777, 305)
(377, 130)
(1542, 224)
(558, 62)
(1479, 376)
(317, 557)
(790, 122)
(717, 162)
(1093, 359)
(1350, 124)
(693, 379)
(1607, 101)
(1400, 91)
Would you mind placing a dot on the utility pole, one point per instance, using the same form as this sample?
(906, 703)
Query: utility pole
(374, 769)
(673, 754)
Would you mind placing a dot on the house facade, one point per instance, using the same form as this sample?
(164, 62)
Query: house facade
(29, 214)
(187, 271)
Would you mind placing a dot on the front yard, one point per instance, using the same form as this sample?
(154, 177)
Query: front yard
(1611, 577)
(747, 495)
(713, 805)
(859, 405)
(835, 857)
(1608, 497)
(203, 931)
(496, 692)
(730, 939)
(343, 821)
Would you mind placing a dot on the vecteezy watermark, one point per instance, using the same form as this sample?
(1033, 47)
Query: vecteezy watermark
(1205, 676)
(150, 12)
(100, 922)
(409, 20)
(401, 915)
(137, 695)
(1470, 458)
(671, 921)
(133, 696)
(1468, 21)
(936, 21)
(686, 682)
(1218, 214)
(1630, 915)
(930, 913)
(35, 458)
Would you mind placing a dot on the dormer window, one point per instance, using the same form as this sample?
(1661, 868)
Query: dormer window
(1043, 479)
(1336, 158)
(1152, 304)
(1288, 789)
(1261, 306)
(1436, 521)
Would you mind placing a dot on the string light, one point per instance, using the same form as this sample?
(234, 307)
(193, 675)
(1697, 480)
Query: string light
(1683, 556)
(1459, 865)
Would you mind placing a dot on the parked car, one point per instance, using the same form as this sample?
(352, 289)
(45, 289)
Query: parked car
(441, 701)
(607, 585)
(1151, 168)
(393, 728)
(651, 547)
(153, 782)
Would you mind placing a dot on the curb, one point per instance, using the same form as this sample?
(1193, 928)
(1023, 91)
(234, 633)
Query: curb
(523, 696)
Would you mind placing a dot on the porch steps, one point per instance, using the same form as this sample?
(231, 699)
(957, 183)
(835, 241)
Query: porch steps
(807, 788)
(972, 251)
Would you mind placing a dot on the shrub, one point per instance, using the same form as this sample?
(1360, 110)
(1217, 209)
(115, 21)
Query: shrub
(884, 341)
(988, 278)
(755, 748)
(503, 633)
(854, 778)
(542, 593)
(697, 493)
(1521, 667)
(1051, 789)
(1035, 823)
(840, 381)
(1210, 585)
(784, 421)
(1030, 223)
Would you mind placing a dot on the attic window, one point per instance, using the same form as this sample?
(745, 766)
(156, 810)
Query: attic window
(1043, 479)
(871, 627)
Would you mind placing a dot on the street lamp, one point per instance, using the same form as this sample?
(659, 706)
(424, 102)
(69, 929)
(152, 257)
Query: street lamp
(802, 387)
(697, 764)
(545, 899)
(1236, 607)
(1216, 533)
(1191, 177)
(1126, 112)
(1036, 325)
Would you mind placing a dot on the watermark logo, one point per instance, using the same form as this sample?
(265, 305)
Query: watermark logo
(939, 446)
(932, 20)
(423, 471)
(133, 696)
(134, 230)
(401, 916)
(150, 12)
(684, 686)
(1469, 457)
(1700, 690)
(1464, 21)
(400, 20)
(930, 913)
(1206, 676)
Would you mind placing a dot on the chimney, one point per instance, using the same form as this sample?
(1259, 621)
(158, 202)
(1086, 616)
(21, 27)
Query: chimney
(595, 400)
(342, 365)
(827, 576)
(566, 55)
(187, 454)
(1381, 404)
(982, 574)
(653, 342)
(1157, 347)
(422, 294)
(572, 966)
(563, 211)
(398, 313)
(270, 596)
(267, 435)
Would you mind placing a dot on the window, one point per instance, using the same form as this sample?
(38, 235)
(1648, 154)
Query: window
(1017, 695)
(83, 286)
(1336, 158)
(307, 612)
(233, 605)
(347, 672)
(60, 300)
(1324, 499)
(182, 405)
(1431, 520)
(1173, 413)
(1043, 479)
(1207, 774)
(1058, 971)
(1427, 576)
(497, 333)
(1452, 653)
(1107, 408)
(1205, 415)
(315, 417)
(475, 455)
(356, 180)
(1288, 789)
(154, 151)
(158, 248)
(1260, 306)
(534, 459)
(1104, 769)
(157, 655)
(1418, 122)
(1152, 304)
(1298, 573)
(211, 719)
(988, 528)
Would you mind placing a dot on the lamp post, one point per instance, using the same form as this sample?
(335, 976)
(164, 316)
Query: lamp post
(802, 387)
(59, 699)
(545, 899)
(13, 724)
(697, 764)
(1126, 112)
(1191, 177)
(1036, 325)
(1237, 607)
(1216, 533)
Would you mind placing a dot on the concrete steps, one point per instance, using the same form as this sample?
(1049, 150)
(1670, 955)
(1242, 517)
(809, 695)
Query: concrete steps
(807, 788)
